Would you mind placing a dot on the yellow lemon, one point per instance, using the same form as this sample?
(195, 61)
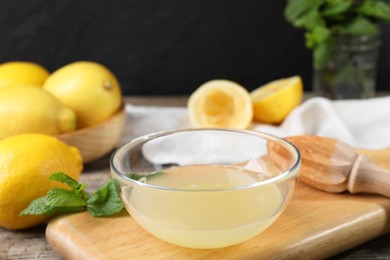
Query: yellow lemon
(27, 161)
(220, 103)
(31, 109)
(22, 72)
(88, 88)
(273, 101)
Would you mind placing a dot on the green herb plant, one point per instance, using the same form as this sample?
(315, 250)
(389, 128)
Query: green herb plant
(105, 201)
(324, 19)
(143, 177)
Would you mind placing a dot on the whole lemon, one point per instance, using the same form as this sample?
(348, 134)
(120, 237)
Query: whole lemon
(27, 161)
(88, 88)
(22, 72)
(31, 109)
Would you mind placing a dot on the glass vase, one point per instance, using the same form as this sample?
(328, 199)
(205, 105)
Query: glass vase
(350, 70)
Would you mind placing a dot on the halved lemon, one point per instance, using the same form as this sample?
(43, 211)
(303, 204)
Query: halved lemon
(273, 101)
(220, 103)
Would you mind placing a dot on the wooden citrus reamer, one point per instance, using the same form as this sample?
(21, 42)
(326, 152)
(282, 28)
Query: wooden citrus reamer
(334, 166)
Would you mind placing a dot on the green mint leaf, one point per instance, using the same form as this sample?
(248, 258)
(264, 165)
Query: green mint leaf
(57, 197)
(376, 9)
(105, 201)
(62, 177)
(295, 9)
(134, 176)
(335, 7)
(73, 184)
(41, 207)
(56, 201)
(138, 177)
(36, 207)
(318, 35)
(320, 54)
(310, 20)
(358, 26)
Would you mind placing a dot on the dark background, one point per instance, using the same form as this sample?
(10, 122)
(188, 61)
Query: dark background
(164, 47)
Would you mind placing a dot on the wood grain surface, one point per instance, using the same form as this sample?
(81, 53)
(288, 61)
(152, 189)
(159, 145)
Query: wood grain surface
(315, 225)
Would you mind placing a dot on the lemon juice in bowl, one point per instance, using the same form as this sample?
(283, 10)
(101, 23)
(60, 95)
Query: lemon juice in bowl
(208, 188)
(217, 217)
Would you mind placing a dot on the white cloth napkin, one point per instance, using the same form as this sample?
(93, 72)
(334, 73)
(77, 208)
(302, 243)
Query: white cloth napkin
(361, 123)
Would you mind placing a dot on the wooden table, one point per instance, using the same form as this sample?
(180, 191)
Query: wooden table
(31, 243)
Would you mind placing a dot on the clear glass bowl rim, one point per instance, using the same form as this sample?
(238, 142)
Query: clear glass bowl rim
(289, 174)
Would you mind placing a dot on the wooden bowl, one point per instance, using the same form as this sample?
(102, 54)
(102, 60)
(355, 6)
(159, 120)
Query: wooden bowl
(96, 141)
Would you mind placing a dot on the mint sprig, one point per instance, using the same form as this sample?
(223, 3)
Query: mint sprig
(323, 20)
(105, 201)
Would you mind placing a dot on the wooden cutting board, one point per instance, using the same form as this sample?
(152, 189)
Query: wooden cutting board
(314, 225)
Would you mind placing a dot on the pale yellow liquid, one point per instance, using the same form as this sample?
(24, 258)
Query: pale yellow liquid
(204, 217)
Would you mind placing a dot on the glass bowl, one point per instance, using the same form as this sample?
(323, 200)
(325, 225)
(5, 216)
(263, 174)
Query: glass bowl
(206, 188)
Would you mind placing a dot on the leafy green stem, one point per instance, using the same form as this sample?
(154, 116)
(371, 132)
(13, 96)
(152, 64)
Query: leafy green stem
(324, 19)
(105, 201)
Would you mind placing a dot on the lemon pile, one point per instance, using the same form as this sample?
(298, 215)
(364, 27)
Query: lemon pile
(226, 104)
(36, 105)
(78, 95)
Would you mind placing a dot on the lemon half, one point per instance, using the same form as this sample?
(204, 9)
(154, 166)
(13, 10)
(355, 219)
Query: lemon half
(220, 103)
(273, 101)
